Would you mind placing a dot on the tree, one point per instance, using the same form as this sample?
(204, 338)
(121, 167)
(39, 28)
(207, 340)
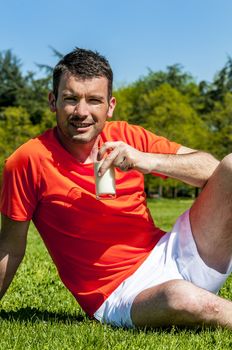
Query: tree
(126, 103)
(48, 69)
(15, 129)
(12, 81)
(129, 97)
(34, 97)
(167, 111)
(220, 125)
(217, 90)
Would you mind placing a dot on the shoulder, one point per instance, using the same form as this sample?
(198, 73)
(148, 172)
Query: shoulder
(120, 125)
(138, 137)
(134, 135)
(31, 151)
(122, 129)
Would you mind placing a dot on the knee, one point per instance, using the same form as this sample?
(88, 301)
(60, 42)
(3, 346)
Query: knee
(186, 299)
(226, 163)
(181, 296)
(175, 302)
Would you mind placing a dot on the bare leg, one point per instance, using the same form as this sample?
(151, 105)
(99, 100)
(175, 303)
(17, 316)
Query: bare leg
(180, 303)
(211, 218)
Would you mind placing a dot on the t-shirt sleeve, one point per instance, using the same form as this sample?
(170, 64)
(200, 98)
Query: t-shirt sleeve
(148, 142)
(19, 192)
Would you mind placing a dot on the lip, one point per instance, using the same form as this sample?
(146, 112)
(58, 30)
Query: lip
(81, 126)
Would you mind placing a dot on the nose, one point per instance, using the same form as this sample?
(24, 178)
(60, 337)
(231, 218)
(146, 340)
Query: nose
(81, 109)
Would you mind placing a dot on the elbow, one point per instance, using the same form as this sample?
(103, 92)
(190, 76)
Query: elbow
(209, 171)
(202, 184)
(16, 255)
(204, 180)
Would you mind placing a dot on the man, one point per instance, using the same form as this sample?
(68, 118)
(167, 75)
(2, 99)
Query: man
(120, 267)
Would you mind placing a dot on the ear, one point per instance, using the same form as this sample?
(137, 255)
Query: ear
(52, 101)
(112, 106)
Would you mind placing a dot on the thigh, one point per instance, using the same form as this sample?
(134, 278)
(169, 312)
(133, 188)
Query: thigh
(180, 303)
(175, 257)
(159, 267)
(211, 218)
(188, 261)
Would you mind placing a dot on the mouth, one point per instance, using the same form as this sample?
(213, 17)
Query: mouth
(80, 126)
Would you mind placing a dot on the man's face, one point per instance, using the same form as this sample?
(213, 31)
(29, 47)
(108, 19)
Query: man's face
(82, 107)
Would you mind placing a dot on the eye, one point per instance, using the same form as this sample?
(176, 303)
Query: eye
(95, 100)
(70, 99)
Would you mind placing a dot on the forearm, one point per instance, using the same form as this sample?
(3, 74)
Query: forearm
(13, 236)
(192, 168)
(8, 266)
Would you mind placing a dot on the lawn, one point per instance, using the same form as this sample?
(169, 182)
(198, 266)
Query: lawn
(39, 313)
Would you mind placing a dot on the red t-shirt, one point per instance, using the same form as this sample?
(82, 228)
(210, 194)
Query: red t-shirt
(94, 244)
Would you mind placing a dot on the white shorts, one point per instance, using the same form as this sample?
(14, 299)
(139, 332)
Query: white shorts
(174, 257)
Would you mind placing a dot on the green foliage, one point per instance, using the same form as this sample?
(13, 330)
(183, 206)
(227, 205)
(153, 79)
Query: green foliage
(210, 93)
(34, 97)
(173, 76)
(126, 103)
(17, 126)
(24, 109)
(219, 121)
(12, 81)
(167, 112)
(15, 129)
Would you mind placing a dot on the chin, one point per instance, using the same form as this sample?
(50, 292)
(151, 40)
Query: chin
(82, 139)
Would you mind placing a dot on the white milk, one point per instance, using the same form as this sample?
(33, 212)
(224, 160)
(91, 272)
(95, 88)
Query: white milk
(105, 185)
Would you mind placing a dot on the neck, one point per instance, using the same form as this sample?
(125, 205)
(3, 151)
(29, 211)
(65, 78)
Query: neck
(82, 152)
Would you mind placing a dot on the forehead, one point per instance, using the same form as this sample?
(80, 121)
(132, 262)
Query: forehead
(75, 84)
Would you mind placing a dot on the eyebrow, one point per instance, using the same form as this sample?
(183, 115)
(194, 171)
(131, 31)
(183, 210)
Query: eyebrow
(66, 93)
(100, 97)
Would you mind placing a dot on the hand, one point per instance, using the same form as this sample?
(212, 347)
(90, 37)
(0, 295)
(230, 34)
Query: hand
(122, 156)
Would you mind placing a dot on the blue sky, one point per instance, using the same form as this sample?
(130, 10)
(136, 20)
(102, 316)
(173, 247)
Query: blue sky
(134, 35)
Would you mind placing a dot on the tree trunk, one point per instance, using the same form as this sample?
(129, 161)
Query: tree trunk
(160, 190)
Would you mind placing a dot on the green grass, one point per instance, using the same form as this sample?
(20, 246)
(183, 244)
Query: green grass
(39, 313)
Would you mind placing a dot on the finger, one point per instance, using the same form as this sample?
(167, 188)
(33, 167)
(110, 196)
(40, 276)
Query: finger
(108, 162)
(106, 148)
(125, 164)
(120, 161)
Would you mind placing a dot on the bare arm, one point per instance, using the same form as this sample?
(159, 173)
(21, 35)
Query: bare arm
(12, 249)
(188, 165)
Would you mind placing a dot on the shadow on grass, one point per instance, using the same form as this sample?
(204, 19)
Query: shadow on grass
(35, 315)
(173, 330)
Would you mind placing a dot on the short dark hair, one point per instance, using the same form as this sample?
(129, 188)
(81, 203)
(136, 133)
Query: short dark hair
(85, 64)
